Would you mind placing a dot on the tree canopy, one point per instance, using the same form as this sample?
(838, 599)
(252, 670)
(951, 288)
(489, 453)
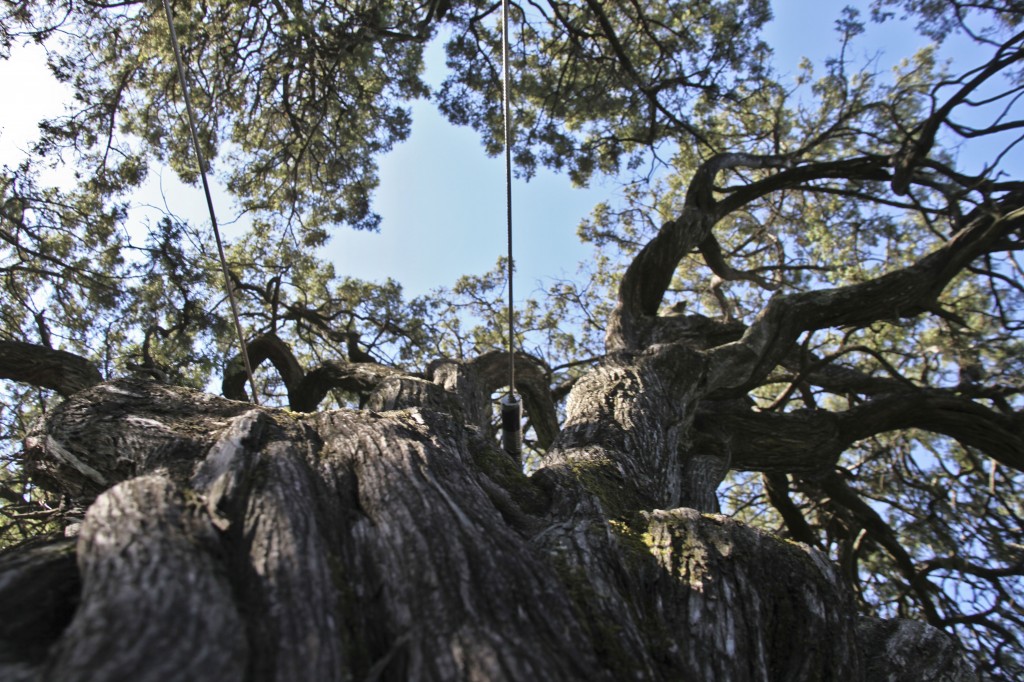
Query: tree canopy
(838, 245)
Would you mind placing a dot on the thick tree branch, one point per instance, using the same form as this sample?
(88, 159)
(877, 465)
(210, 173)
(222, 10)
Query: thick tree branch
(362, 378)
(57, 370)
(715, 259)
(998, 435)
(153, 557)
(806, 442)
(650, 273)
(836, 378)
(777, 487)
(305, 389)
(794, 175)
(265, 347)
(810, 442)
(905, 292)
(39, 586)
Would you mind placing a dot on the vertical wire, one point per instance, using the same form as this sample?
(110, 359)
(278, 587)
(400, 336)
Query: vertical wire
(209, 200)
(505, 88)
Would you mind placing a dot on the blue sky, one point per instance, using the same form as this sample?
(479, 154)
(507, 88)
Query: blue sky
(441, 198)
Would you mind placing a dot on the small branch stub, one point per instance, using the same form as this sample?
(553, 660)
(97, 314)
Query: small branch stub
(512, 425)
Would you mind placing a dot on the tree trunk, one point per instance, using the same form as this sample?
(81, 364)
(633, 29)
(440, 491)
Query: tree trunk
(228, 542)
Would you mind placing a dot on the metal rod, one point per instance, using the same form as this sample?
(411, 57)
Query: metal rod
(209, 200)
(508, 190)
(511, 406)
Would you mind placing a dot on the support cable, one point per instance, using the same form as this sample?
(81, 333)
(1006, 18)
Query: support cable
(511, 406)
(209, 201)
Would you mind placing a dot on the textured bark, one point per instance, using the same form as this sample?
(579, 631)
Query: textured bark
(810, 442)
(709, 585)
(39, 590)
(906, 650)
(155, 602)
(305, 389)
(58, 370)
(224, 541)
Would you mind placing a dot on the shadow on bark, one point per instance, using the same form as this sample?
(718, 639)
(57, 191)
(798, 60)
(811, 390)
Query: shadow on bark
(224, 541)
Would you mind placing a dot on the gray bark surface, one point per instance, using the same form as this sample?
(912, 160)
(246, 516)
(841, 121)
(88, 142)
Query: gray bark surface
(224, 541)
(61, 371)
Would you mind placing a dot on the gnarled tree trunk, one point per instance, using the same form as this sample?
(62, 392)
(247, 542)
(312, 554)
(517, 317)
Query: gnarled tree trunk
(224, 541)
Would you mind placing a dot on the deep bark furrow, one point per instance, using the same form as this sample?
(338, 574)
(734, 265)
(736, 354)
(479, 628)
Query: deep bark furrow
(701, 474)
(712, 586)
(435, 541)
(589, 557)
(624, 424)
(910, 650)
(123, 428)
(280, 541)
(224, 475)
(156, 603)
